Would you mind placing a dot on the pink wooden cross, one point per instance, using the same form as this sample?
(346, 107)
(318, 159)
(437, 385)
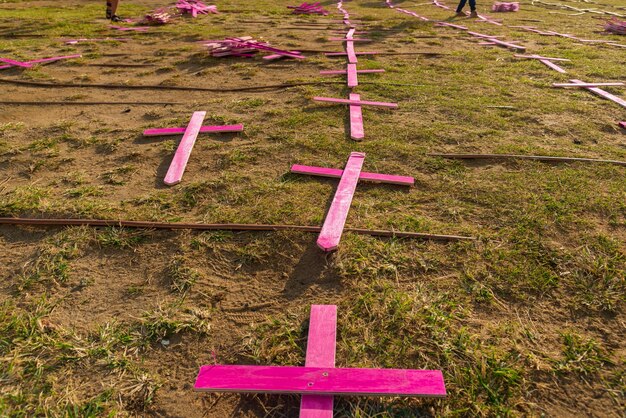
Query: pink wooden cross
(319, 381)
(331, 232)
(598, 91)
(546, 61)
(190, 134)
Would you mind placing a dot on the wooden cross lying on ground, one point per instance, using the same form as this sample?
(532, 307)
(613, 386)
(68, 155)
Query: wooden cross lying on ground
(331, 232)
(593, 87)
(546, 61)
(190, 134)
(356, 116)
(28, 64)
(318, 381)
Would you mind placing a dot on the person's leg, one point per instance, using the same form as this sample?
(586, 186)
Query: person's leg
(473, 8)
(461, 6)
(112, 8)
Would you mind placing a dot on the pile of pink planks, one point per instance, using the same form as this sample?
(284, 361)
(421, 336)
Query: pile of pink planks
(616, 26)
(319, 381)
(595, 89)
(547, 61)
(335, 220)
(245, 46)
(505, 7)
(309, 9)
(194, 7)
(29, 64)
(156, 17)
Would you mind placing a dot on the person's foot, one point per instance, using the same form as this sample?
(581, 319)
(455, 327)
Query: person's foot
(460, 14)
(116, 18)
(474, 13)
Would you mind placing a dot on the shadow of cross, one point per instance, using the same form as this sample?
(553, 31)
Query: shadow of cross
(331, 232)
(319, 381)
(190, 134)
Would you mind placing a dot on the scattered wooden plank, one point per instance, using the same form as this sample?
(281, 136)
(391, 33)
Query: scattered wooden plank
(603, 93)
(321, 380)
(585, 84)
(539, 57)
(179, 162)
(221, 227)
(352, 59)
(335, 220)
(333, 72)
(15, 63)
(203, 129)
(343, 54)
(525, 157)
(355, 102)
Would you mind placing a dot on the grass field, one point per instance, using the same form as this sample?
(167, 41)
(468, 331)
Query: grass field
(528, 320)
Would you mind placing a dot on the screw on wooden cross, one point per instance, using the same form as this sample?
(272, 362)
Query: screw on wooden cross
(319, 381)
(594, 88)
(190, 134)
(356, 116)
(546, 61)
(331, 232)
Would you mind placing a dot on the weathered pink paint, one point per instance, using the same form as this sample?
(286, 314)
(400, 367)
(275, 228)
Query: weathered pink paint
(278, 56)
(352, 59)
(603, 93)
(336, 173)
(355, 102)
(179, 162)
(350, 33)
(320, 352)
(16, 63)
(356, 119)
(622, 124)
(321, 380)
(203, 129)
(552, 65)
(586, 84)
(334, 72)
(332, 229)
(353, 80)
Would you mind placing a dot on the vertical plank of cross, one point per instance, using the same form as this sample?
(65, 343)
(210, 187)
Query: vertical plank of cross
(356, 119)
(320, 352)
(335, 221)
(181, 157)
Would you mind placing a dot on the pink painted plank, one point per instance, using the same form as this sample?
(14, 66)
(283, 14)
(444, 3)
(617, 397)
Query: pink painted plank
(352, 59)
(552, 65)
(604, 94)
(539, 57)
(320, 352)
(179, 162)
(350, 33)
(350, 39)
(16, 63)
(356, 119)
(332, 229)
(203, 129)
(585, 84)
(355, 102)
(364, 176)
(329, 72)
(320, 380)
(352, 76)
(622, 124)
(343, 54)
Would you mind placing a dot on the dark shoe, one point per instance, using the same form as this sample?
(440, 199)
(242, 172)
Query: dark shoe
(461, 14)
(116, 18)
(474, 13)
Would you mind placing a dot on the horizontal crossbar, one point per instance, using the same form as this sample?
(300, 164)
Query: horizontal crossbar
(355, 102)
(336, 173)
(204, 129)
(321, 381)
